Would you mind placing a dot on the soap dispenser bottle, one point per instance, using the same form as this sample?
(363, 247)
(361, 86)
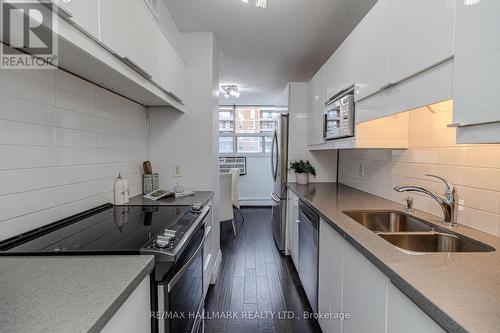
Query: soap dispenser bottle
(121, 191)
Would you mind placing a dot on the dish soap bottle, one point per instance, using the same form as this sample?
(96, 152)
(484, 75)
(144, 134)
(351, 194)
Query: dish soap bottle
(121, 191)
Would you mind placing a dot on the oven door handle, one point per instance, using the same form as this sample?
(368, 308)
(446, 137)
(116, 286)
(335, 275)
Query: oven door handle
(184, 268)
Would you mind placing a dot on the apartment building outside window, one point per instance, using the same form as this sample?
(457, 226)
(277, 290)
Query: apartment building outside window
(246, 130)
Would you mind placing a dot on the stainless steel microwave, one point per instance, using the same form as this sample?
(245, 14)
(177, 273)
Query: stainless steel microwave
(339, 116)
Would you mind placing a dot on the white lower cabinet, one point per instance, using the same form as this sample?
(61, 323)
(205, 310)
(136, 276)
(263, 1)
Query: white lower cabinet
(331, 251)
(364, 294)
(404, 316)
(293, 227)
(209, 253)
(351, 285)
(134, 315)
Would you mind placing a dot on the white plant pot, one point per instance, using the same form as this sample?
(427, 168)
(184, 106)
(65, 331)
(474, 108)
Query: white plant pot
(302, 178)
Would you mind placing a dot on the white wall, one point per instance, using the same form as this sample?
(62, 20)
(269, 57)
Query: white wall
(190, 139)
(474, 169)
(256, 186)
(62, 143)
(186, 139)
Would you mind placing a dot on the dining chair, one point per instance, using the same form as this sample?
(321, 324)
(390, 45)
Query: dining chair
(226, 212)
(235, 194)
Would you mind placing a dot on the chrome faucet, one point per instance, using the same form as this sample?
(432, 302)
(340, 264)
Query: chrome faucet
(448, 203)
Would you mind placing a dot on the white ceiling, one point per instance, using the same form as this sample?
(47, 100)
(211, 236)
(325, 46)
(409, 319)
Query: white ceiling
(263, 49)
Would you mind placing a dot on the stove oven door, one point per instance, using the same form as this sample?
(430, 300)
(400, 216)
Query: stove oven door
(181, 294)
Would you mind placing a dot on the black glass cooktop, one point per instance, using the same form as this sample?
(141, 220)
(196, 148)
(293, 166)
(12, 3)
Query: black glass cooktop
(123, 229)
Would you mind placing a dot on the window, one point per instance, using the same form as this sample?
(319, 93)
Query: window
(246, 130)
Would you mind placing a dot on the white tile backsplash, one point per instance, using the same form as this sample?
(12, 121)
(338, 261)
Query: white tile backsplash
(63, 141)
(73, 102)
(22, 110)
(474, 169)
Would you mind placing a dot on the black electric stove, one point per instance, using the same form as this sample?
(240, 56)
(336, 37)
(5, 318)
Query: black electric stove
(175, 235)
(163, 231)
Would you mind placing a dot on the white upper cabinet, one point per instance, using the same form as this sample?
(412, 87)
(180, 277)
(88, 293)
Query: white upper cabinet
(84, 13)
(421, 34)
(171, 68)
(131, 32)
(316, 106)
(477, 66)
(340, 68)
(371, 45)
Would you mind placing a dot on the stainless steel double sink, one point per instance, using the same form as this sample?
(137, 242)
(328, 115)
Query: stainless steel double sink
(415, 235)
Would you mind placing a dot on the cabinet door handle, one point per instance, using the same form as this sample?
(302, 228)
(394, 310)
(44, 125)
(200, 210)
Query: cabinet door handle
(297, 221)
(387, 86)
(136, 67)
(61, 11)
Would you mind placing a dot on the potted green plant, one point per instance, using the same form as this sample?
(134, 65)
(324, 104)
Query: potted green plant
(302, 170)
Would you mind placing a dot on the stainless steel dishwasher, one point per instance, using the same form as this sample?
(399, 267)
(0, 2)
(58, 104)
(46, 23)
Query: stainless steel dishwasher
(308, 253)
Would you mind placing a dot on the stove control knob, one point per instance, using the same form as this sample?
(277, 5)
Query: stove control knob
(169, 234)
(162, 242)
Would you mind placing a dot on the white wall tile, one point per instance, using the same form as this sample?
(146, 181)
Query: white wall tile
(80, 191)
(44, 76)
(74, 84)
(73, 102)
(24, 223)
(16, 133)
(22, 180)
(109, 112)
(474, 169)
(13, 108)
(26, 88)
(18, 204)
(75, 138)
(14, 157)
(132, 107)
(76, 120)
(109, 127)
(106, 97)
(134, 119)
(51, 165)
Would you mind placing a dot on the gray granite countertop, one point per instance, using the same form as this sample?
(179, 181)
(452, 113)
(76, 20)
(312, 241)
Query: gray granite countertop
(199, 196)
(66, 294)
(460, 291)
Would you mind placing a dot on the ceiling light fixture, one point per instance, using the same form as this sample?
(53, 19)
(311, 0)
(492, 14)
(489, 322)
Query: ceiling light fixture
(258, 3)
(261, 3)
(230, 91)
(471, 2)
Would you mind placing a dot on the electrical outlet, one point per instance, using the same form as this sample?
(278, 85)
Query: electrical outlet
(177, 171)
(361, 169)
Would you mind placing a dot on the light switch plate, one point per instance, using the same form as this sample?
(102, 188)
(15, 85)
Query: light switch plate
(177, 171)
(361, 169)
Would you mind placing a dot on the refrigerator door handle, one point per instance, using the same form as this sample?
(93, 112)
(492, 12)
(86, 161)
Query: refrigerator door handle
(274, 169)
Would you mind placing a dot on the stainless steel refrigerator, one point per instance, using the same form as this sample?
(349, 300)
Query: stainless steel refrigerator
(279, 168)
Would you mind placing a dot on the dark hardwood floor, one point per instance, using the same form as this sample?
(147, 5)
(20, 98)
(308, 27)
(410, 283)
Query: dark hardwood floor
(257, 284)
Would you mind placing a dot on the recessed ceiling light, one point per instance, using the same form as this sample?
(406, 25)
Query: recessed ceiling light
(471, 2)
(261, 3)
(230, 91)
